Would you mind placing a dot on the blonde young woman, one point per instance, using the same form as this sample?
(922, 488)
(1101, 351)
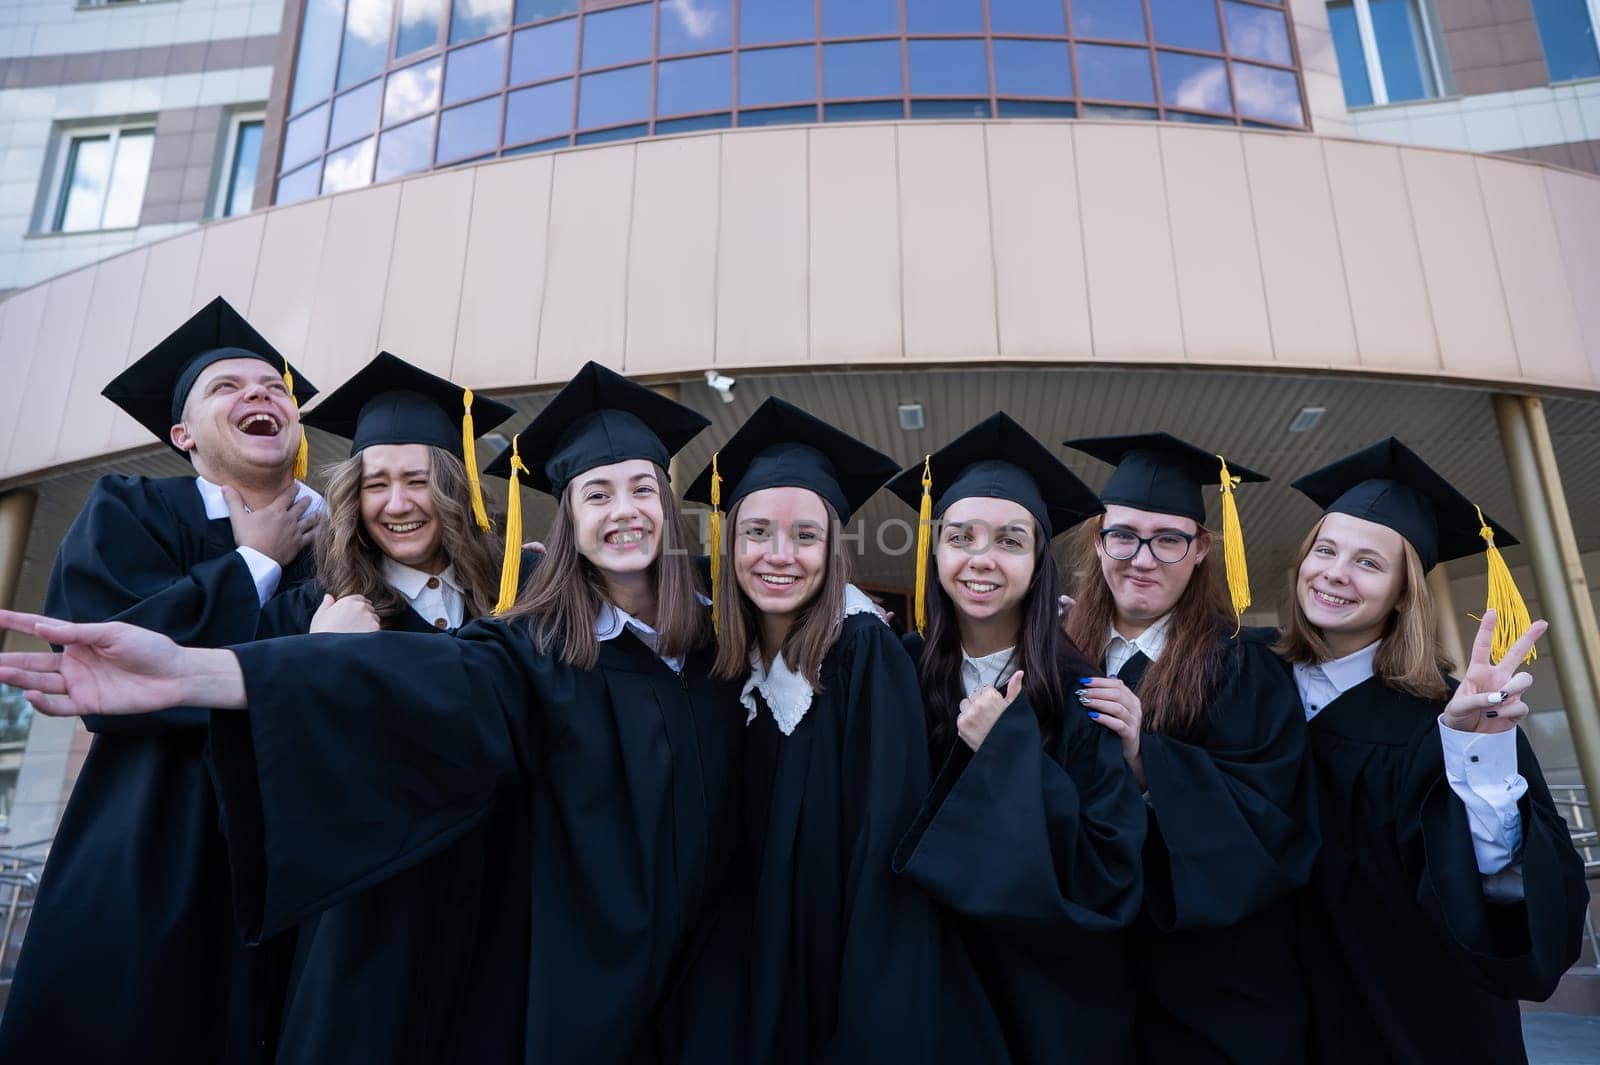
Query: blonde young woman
(587, 705)
(1447, 886)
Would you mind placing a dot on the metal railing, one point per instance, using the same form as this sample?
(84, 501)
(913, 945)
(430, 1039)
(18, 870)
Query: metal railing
(20, 866)
(1573, 802)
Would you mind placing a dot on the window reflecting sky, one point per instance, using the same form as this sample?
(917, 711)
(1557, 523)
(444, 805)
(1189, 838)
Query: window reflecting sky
(406, 149)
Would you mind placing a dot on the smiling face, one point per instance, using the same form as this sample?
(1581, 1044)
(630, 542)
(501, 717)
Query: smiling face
(986, 558)
(239, 422)
(780, 549)
(1351, 580)
(1144, 587)
(616, 514)
(397, 508)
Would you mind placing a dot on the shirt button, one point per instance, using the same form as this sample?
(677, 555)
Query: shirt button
(441, 623)
(433, 582)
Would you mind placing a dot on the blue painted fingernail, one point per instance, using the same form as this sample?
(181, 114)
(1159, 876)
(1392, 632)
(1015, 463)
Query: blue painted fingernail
(1085, 680)
(1093, 714)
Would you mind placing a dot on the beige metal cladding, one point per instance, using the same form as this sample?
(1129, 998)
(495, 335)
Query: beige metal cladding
(918, 243)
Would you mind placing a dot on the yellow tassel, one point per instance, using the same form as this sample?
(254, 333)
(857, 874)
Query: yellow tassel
(511, 564)
(714, 547)
(1511, 618)
(302, 457)
(919, 607)
(1233, 548)
(469, 454)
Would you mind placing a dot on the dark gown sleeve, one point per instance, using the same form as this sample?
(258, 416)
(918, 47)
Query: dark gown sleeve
(114, 565)
(1030, 846)
(1521, 949)
(289, 613)
(1232, 826)
(361, 755)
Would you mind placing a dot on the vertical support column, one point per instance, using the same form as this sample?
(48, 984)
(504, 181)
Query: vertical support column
(16, 517)
(1557, 571)
(1444, 600)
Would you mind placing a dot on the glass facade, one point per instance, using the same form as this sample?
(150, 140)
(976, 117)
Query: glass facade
(385, 88)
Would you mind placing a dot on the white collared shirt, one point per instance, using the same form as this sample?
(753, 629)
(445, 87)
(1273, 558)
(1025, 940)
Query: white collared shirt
(613, 621)
(437, 598)
(986, 669)
(1480, 767)
(264, 571)
(788, 694)
(1151, 641)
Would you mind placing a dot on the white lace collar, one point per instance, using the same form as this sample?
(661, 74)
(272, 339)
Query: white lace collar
(786, 693)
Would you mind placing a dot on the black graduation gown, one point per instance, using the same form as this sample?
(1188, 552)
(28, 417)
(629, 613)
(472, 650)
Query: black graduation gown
(843, 952)
(392, 747)
(1231, 836)
(1035, 854)
(1405, 958)
(131, 953)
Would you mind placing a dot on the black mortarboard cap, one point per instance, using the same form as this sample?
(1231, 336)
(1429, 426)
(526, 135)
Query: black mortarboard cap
(1391, 485)
(999, 459)
(1158, 472)
(390, 401)
(153, 389)
(782, 446)
(599, 418)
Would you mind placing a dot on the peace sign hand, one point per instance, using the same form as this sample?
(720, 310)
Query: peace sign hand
(1489, 698)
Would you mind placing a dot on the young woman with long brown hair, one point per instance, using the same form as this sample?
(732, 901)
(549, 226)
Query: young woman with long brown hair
(1447, 886)
(587, 706)
(1211, 730)
(1030, 838)
(841, 963)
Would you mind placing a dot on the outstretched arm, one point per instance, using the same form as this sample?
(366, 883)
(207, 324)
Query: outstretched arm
(115, 668)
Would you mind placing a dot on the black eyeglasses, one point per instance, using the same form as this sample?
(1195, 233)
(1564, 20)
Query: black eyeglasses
(1169, 546)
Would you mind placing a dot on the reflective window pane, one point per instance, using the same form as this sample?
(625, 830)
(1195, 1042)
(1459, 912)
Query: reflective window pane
(241, 176)
(1142, 114)
(866, 68)
(532, 10)
(468, 131)
(779, 116)
(1112, 20)
(1186, 23)
(539, 113)
(406, 149)
(1036, 109)
(869, 111)
(620, 35)
(1109, 73)
(1352, 57)
(366, 41)
(777, 75)
(470, 19)
(614, 97)
(1194, 82)
(688, 125)
(547, 51)
(411, 91)
(355, 114)
(300, 185)
(949, 108)
(1199, 120)
(944, 16)
(860, 18)
(695, 25)
(948, 68)
(1568, 35)
(1273, 95)
(84, 186)
(349, 168)
(129, 171)
(541, 146)
(419, 26)
(1407, 74)
(1027, 16)
(1032, 68)
(1261, 33)
(777, 20)
(704, 83)
(318, 53)
(621, 133)
(475, 71)
(304, 138)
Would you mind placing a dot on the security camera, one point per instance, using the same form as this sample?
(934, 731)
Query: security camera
(722, 383)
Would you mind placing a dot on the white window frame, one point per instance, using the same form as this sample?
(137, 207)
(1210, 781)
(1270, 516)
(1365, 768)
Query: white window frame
(239, 119)
(66, 136)
(1369, 48)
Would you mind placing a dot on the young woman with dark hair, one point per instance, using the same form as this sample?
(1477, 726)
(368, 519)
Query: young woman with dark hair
(1210, 728)
(363, 755)
(1030, 838)
(1447, 886)
(841, 958)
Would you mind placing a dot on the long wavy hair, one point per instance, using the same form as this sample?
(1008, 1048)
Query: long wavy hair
(561, 601)
(1177, 688)
(816, 627)
(1409, 658)
(349, 563)
(1042, 653)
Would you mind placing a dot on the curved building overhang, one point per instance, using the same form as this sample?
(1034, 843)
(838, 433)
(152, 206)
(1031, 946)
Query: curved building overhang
(917, 245)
